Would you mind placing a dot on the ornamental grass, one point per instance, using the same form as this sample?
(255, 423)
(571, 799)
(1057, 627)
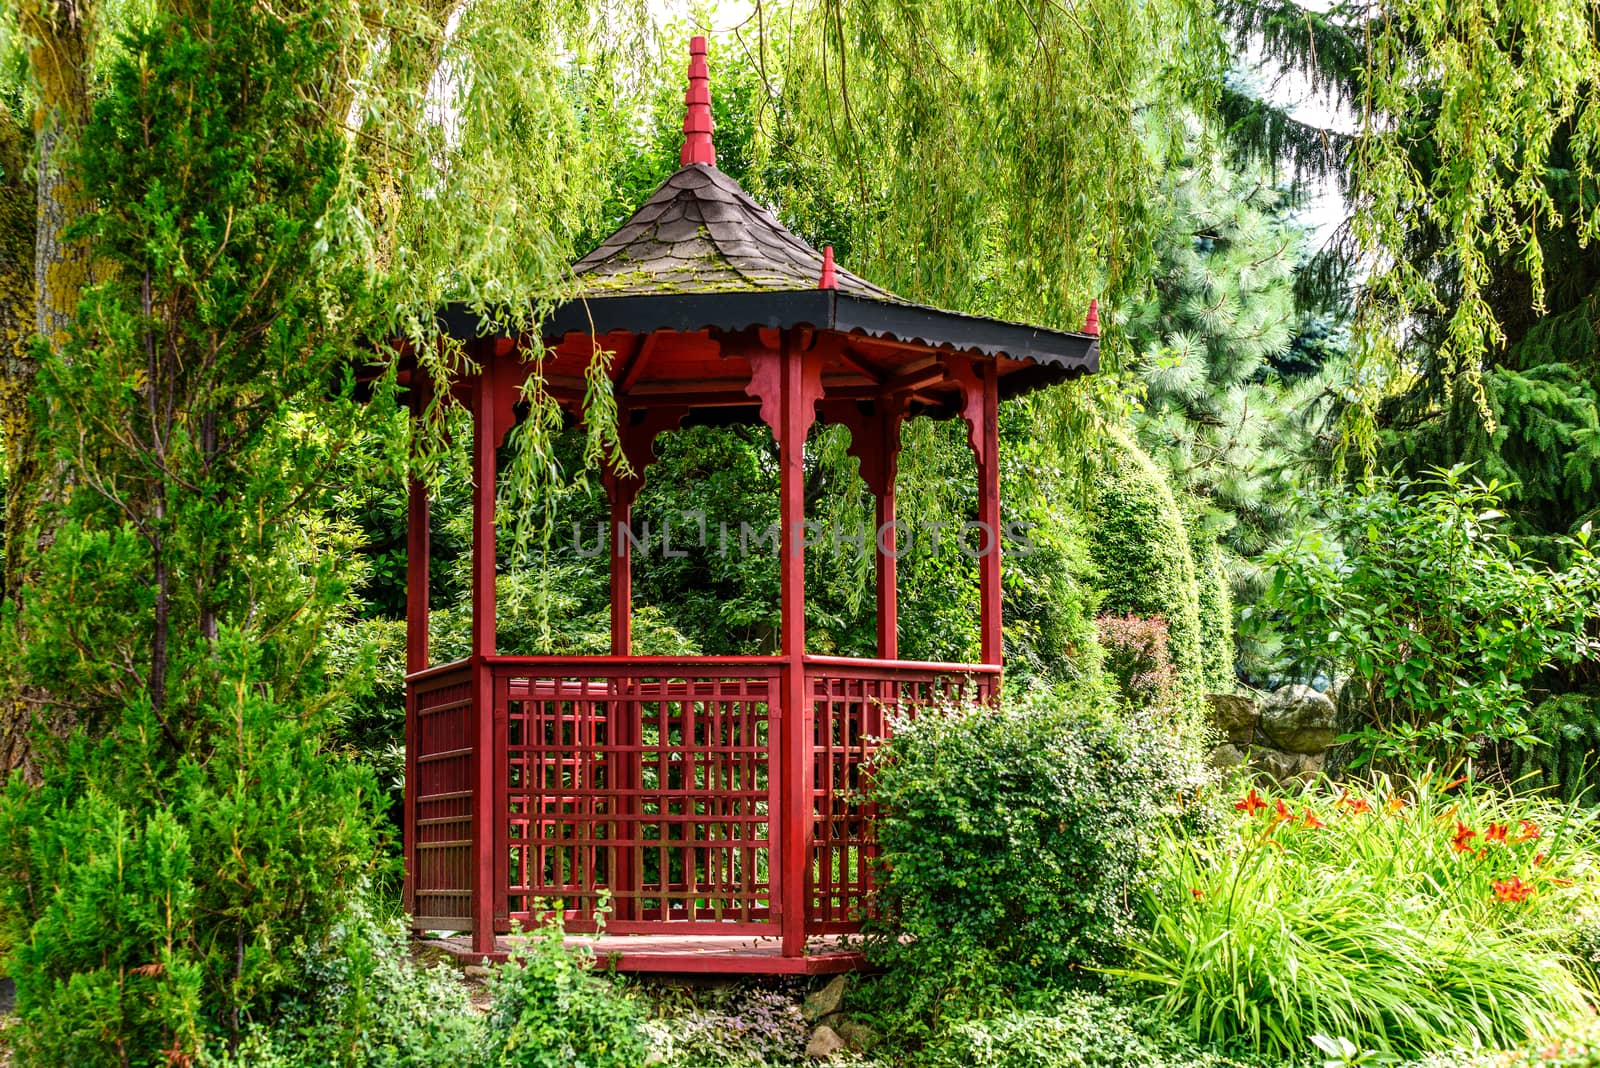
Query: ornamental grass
(1404, 919)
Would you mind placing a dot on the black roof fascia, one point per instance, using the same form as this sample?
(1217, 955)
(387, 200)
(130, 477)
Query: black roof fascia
(1056, 355)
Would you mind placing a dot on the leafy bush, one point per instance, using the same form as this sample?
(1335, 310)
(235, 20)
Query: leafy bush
(1404, 922)
(551, 1011)
(1136, 658)
(1011, 839)
(760, 1027)
(1573, 1046)
(1435, 613)
(1141, 550)
(366, 1005)
(1073, 1031)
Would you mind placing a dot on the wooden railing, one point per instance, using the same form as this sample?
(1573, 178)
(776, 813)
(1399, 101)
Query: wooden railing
(652, 786)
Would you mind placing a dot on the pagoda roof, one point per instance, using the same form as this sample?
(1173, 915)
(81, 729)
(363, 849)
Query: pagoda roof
(701, 233)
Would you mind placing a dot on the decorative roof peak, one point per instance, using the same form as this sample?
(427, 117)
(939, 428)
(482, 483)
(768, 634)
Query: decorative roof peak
(1091, 324)
(830, 277)
(697, 146)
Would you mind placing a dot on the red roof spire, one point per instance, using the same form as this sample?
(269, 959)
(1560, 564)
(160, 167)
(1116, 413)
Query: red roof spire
(829, 279)
(697, 146)
(1091, 325)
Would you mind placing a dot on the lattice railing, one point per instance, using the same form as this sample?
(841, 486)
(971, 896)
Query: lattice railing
(640, 780)
(442, 726)
(852, 702)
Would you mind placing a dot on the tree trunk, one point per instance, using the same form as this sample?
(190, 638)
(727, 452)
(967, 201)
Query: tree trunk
(41, 277)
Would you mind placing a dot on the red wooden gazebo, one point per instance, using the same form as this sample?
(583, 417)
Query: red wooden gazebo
(709, 799)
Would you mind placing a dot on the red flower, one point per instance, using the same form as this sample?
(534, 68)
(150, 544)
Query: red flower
(1527, 831)
(1540, 858)
(1251, 804)
(1495, 833)
(1283, 815)
(1461, 843)
(1195, 890)
(1312, 821)
(1359, 805)
(1395, 804)
(1512, 890)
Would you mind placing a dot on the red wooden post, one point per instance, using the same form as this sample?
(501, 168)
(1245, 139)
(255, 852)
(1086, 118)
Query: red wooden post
(624, 712)
(484, 836)
(794, 836)
(417, 549)
(987, 434)
(620, 494)
(888, 426)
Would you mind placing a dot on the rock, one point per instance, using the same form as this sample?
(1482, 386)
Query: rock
(8, 996)
(1225, 756)
(477, 971)
(1311, 766)
(1235, 715)
(858, 1036)
(1297, 719)
(820, 1003)
(825, 1042)
(1275, 764)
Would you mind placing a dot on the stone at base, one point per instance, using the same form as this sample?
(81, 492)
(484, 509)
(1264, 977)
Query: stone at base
(477, 971)
(825, 1042)
(858, 1036)
(820, 1003)
(1225, 756)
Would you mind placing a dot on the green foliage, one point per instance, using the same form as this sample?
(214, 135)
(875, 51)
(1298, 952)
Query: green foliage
(1566, 760)
(193, 836)
(1215, 609)
(551, 1011)
(1141, 553)
(1402, 921)
(151, 901)
(1436, 615)
(751, 1028)
(365, 1004)
(1011, 838)
(1076, 1030)
(1574, 1045)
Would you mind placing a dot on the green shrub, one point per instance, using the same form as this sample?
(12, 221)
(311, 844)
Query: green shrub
(1216, 611)
(1404, 922)
(1073, 1031)
(1011, 840)
(1425, 602)
(756, 1028)
(1140, 546)
(550, 1010)
(365, 1004)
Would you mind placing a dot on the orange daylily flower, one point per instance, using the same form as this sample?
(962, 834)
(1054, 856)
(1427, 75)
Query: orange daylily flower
(1312, 821)
(1251, 804)
(1395, 804)
(1527, 831)
(1512, 890)
(1463, 836)
(1495, 833)
(1282, 813)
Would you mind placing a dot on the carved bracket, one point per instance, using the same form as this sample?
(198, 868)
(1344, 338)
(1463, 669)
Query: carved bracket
(766, 386)
(874, 437)
(964, 373)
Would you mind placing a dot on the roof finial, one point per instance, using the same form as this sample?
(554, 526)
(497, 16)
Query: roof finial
(1091, 325)
(697, 146)
(829, 279)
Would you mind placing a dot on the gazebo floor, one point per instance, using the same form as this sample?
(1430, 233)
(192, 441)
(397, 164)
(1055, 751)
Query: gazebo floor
(687, 954)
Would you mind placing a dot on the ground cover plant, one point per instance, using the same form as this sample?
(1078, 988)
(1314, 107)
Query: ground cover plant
(1402, 918)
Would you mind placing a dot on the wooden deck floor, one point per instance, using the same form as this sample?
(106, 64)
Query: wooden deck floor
(689, 954)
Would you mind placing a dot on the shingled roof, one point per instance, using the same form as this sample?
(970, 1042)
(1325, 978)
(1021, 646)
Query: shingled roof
(700, 233)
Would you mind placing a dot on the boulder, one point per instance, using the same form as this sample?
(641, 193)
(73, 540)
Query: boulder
(858, 1036)
(1234, 715)
(1275, 764)
(820, 1003)
(1297, 719)
(1226, 756)
(825, 1042)
(476, 971)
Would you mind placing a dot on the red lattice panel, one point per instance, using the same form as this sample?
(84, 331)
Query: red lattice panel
(442, 707)
(652, 789)
(851, 709)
